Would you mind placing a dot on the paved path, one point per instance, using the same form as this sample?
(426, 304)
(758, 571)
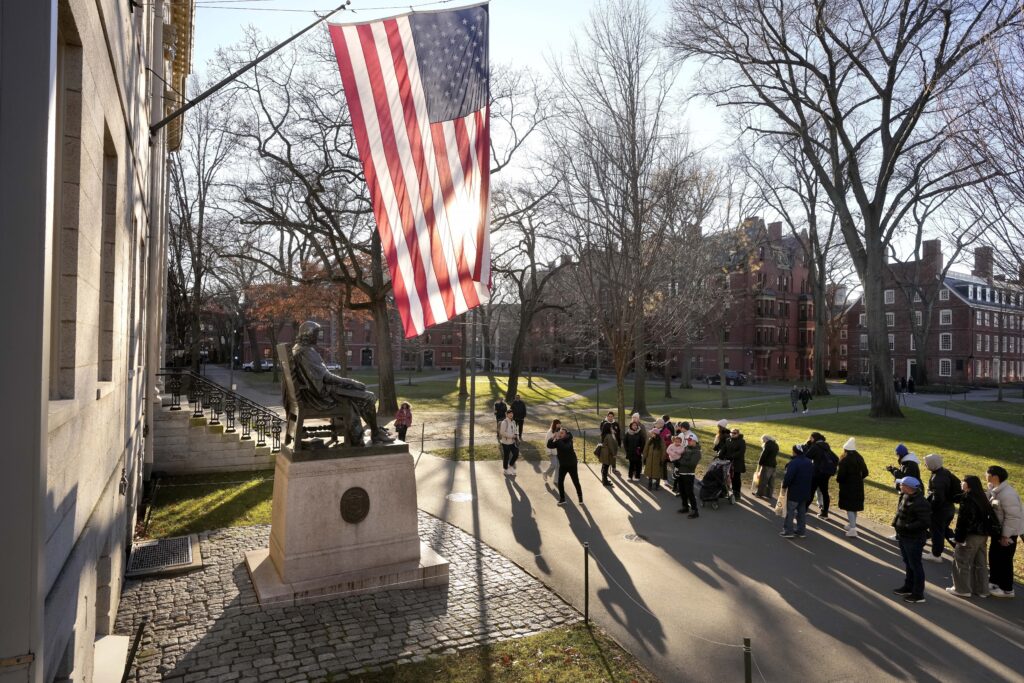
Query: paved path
(206, 625)
(817, 609)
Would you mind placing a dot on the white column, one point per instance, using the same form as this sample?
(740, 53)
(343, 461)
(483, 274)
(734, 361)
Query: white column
(27, 107)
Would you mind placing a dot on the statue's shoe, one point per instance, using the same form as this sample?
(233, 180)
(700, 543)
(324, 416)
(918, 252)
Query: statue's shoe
(382, 436)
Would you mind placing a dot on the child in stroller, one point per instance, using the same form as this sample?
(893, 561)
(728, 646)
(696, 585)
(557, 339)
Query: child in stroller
(715, 484)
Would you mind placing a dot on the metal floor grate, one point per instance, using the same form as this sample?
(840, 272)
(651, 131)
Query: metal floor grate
(153, 557)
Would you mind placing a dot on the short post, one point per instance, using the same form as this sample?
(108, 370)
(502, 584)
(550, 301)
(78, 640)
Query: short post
(423, 428)
(748, 674)
(584, 433)
(837, 405)
(586, 583)
(455, 443)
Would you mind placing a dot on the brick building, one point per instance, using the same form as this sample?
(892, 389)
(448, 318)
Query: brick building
(976, 333)
(769, 327)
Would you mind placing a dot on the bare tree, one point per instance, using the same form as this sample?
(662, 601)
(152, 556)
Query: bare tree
(875, 77)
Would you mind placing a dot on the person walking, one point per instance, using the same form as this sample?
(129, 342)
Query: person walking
(403, 420)
(913, 514)
(633, 444)
(943, 492)
(686, 473)
(567, 464)
(608, 450)
(794, 397)
(805, 397)
(766, 464)
(500, 410)
(736, 453)
(613, 424)
(1006, 504)
(508, 435)
(825, 465)
(796, 491)
(654, 460)
(974, 524)
(850, 476)
(519, 413)
(552, 470)
(673, 453)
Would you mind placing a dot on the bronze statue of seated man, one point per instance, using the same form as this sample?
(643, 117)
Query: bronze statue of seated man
(323, 389)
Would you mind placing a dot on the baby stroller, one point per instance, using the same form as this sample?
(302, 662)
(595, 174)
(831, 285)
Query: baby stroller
(716, 482)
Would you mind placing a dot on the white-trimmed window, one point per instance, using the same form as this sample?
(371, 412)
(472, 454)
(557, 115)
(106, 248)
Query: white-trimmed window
(977, 345)
(892, 342)
(988, 342)
(842, 350)
(977, 318)
(945, 367)
(890, 296)
(946, 316)
(913, 343)
(946, 341)
(863, 342)
(842, 333)
(988, 319)
(918, 318)
(862, 319)
(890, 320)
(943, 294)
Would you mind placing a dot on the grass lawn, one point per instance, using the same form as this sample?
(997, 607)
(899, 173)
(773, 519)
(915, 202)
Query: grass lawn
(192, 503)
(1012, 413)
(444, 394)
(965, 448)
(574, 654)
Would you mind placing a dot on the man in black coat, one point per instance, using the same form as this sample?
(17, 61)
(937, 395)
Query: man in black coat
(943, 492)
(735, 451)
(913, 515)
(825, 462)
(519, 413)
(567, 464)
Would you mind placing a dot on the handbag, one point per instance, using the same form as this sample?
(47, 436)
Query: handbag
(597, 450)
(780, 506)
(757, 479)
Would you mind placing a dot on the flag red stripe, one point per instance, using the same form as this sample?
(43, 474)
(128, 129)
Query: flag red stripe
(437, 134)
(483, 164)
(426, 192)
(388, 143)
(348, 81)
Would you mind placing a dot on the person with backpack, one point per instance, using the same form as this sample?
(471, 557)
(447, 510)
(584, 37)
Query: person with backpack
(826, 463)
(943, 492)
(850, 476)
(686, 472)
(974, 524)
(508, 435)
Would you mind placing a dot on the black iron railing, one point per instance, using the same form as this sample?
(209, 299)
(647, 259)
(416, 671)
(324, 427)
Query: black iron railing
(216, 403)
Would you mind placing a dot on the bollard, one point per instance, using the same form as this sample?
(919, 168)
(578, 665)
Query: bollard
(455, 443)
(586, 583)
(423, 428)
(748, 674)
(837, 405)
(584, 433)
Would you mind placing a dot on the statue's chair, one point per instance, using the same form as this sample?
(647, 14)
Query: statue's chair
(342, 416)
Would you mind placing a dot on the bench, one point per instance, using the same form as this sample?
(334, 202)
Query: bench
(342, 416)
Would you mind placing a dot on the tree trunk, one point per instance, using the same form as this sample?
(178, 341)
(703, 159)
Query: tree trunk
(515, 366)
(194, 325)
(485, 332)
(685, 377)
(387, 398)
(464, 346)
(668, 375)
(254, 344)
(340, 343)
(275, 378)
(819, 386)
(721, 368)
(640, 370)
(884, 402)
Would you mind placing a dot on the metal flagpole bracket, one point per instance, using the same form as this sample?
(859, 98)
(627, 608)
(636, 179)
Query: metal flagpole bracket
(155, 128)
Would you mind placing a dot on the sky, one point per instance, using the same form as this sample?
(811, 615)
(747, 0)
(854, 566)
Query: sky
(524, 33)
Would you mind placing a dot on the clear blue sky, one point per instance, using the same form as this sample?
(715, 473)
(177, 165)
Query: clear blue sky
(523, 32)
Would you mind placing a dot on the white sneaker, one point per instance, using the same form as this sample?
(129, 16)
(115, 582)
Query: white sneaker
(1000, 593)
(952, 590)
(894, 537)
(933, 558)
(851, 533)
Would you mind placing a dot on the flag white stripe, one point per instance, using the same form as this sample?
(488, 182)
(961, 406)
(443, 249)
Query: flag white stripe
(462, 200)
(365, 93)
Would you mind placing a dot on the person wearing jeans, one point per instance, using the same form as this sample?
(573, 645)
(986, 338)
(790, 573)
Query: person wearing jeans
(973, 527)
(1007, 507)
(562, 443)
(686, 468)
(508, 435)
(796, 488)
(913, 515)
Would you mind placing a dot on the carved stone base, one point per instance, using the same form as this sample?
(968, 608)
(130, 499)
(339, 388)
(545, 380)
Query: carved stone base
(343, 521)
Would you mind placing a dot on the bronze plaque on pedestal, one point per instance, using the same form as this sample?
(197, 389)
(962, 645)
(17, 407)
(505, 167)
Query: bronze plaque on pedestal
(355, 505)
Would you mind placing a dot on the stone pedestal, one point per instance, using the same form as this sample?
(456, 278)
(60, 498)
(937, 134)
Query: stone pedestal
(343, 522)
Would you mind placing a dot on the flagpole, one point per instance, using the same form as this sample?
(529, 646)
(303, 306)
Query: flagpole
(472, 385)
(224, 81)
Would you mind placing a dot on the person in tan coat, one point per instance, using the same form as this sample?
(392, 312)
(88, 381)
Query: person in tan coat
(654, 460)
(609, 450)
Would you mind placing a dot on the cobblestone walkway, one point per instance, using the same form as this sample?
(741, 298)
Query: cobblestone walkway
(207, 625)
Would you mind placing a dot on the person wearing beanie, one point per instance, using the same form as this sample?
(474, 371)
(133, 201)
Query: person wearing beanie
(850, 476)
(825, 465)
(943, 492)
(633, 444)
(766, 464)
(913, 515)
(909, 465)
(1007, 506)
(654, 460)
(735, 451)
(686, 469)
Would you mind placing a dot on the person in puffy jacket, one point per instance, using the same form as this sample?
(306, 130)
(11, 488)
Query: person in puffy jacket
(673, 453)
(913, 515)
(766, 464)
(909, 465)
(941, 496)
(973, 526)
(850, 476)
(796, 489)
(633, 445)
(1007, 506)
(567, 463)
(686, 469)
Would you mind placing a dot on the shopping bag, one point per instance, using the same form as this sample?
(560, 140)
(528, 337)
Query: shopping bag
(757, 479)
(780, 506)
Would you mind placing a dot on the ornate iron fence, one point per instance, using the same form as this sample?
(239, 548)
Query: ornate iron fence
(216, 403)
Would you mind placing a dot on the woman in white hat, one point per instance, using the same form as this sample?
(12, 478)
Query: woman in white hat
(850, 476)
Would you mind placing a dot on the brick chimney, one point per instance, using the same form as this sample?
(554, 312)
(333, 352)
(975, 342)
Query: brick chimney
(983, 263)
(775, 232)
(931, 254)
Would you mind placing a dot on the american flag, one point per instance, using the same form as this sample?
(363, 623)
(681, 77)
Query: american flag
(417, 91)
